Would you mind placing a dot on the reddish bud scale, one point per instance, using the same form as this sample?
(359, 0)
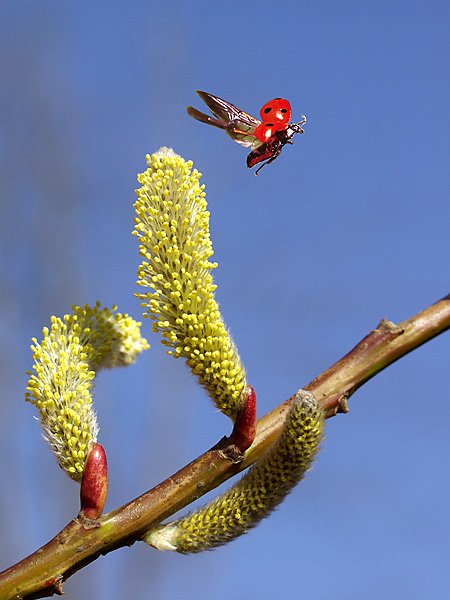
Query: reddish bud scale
(94, 484)
(244, 429)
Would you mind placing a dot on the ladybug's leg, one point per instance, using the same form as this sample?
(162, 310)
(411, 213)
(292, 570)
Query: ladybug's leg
(276, 154)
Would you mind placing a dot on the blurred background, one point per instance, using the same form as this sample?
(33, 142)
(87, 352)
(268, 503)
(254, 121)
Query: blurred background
(350, 225)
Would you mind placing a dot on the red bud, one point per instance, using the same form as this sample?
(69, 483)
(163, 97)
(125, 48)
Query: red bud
(94, 484)
(244, 429)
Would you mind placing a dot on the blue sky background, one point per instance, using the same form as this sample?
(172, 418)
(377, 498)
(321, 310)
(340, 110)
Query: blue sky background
(350, 225)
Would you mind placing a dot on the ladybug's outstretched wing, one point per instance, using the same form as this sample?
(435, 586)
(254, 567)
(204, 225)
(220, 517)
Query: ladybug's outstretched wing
(235, 122)
(196, 114)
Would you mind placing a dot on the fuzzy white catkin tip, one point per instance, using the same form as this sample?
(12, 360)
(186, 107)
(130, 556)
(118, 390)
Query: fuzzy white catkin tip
(164, 151)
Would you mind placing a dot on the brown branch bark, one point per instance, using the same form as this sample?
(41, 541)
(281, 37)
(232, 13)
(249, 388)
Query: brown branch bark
(82, 540)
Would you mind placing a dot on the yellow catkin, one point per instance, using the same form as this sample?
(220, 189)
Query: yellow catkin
(172, 225)
(65, 364)
(257, 493)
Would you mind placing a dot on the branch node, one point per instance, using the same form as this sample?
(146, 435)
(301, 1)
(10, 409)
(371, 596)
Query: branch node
(231, 453)
(87, 522)
(342, 404)
(388, 327)
(57, 586)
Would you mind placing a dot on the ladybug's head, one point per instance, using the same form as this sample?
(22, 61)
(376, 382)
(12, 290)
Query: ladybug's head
(294, 128)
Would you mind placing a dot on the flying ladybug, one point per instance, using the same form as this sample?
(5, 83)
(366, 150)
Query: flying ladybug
(266, 137)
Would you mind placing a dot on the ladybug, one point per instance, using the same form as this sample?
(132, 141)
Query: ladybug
(266, 137)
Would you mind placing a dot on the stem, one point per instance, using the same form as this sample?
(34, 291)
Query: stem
(83, 540)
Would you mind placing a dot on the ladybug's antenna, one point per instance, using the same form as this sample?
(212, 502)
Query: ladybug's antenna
(297, 127)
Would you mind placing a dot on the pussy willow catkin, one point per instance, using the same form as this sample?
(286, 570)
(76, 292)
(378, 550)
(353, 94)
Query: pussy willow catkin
(258, 492)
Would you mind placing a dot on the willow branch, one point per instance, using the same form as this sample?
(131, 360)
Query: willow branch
(83, 540)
